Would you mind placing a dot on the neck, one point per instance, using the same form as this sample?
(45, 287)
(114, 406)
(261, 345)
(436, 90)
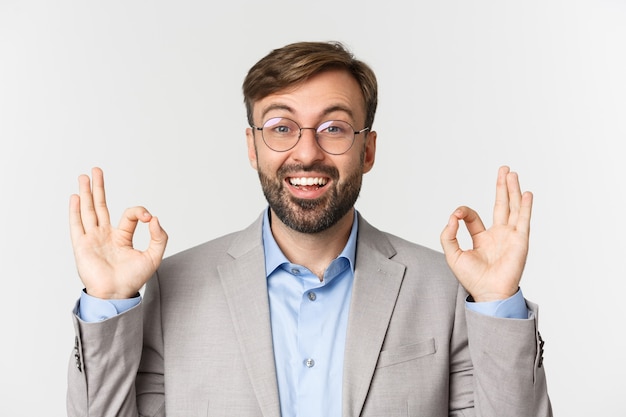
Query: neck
(314, 251)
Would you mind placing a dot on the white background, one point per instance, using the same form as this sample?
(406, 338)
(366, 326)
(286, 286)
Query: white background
(151, 92)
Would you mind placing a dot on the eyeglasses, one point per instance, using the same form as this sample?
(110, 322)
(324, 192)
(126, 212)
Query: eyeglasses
(334, 136)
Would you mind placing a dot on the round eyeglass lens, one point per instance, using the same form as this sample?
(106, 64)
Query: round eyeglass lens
(335, 136)
(281, 134)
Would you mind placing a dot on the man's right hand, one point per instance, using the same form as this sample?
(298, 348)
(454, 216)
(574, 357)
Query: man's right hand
(108, 265)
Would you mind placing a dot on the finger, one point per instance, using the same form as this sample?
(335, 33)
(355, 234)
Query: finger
(76, 223)
(501, 207)
(99, 198)
(158, 241)
(525, 212)
(472, 220)
(87, 211)
(130, 218)
(515, 196)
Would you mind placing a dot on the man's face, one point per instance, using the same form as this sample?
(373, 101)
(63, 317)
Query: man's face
(308, 189)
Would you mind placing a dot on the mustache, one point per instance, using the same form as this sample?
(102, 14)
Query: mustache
(330, 171)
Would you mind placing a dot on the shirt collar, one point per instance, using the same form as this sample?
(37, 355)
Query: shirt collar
(274, 257)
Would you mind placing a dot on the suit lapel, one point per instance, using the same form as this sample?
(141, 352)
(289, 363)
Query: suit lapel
(245, 286)
(377, 282)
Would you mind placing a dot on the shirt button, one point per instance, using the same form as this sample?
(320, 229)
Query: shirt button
(310, 363)
(312, 296)
(295, 271)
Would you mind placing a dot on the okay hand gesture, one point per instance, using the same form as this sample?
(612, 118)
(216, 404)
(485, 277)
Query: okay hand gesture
(493, 268)
(108, 264)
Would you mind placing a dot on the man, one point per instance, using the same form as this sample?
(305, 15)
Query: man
(310, 311)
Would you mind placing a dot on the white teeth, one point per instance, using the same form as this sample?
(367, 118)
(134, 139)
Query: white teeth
(308, 181)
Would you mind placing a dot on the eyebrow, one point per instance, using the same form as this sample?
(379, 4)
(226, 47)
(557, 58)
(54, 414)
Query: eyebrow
(275, 107)
(326, 111)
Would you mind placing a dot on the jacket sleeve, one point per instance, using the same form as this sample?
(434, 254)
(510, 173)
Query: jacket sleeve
(507, 356)
(103, 366)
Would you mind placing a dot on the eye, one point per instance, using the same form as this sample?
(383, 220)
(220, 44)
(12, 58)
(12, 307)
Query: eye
(279, 126)
(334, 128)
(282, 129)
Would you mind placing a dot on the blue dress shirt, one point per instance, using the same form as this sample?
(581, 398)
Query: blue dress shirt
(309, 319)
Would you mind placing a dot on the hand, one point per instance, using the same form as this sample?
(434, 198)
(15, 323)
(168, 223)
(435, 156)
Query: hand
(493, 269)
(107, 263)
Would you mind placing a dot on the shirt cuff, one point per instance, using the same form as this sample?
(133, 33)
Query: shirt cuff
(92, 309)
(513, 307)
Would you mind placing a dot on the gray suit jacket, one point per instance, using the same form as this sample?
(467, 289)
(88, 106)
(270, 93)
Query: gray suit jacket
(200, 342)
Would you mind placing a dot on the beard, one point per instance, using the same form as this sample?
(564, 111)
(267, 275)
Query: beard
(312, 215)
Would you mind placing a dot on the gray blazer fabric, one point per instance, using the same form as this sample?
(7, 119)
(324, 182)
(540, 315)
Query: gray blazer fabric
(200, 342)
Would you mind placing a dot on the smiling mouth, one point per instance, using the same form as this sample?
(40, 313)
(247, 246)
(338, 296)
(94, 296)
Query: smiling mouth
(317, 182)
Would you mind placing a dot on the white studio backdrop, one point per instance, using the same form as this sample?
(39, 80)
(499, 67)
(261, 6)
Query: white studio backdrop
(151, 92)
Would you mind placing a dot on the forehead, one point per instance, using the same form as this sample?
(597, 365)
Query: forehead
(329, 92)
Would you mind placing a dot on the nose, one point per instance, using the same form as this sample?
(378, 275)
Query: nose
(307, 150)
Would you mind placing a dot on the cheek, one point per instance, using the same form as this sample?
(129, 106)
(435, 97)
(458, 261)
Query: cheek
(352, 165)
(261, 158)
(267, 163)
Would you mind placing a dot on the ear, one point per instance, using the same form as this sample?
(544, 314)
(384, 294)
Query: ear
(370, 152)
(251, 148)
